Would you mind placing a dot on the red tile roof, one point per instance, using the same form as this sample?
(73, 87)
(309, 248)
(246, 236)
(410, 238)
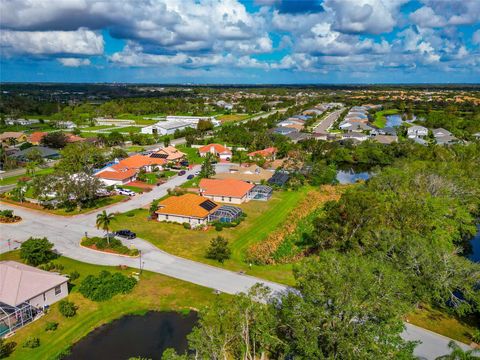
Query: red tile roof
(138, 161)
(36, 137)
(185, 205)
(117, 175)
(218, 149)
(264, 153)
(226, 187)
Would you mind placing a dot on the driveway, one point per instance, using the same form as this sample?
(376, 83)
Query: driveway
(65, 233)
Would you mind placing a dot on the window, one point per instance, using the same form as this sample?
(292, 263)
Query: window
(166, 217)
(223, 198)
(230, 199)
(58, 289)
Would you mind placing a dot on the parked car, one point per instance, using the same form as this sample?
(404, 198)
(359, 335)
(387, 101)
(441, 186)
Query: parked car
(181, 173)
(197, 173)
(190, 177)
(126, 192)
(184, 163)
(127, 234)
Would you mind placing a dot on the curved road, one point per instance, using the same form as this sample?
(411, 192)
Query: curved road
(66, 232)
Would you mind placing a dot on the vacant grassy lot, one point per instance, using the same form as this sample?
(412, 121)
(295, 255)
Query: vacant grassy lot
(153, 292)
(98, 127)
(380, 117)
(192, 154)
(14, 179)
(262, 218)
(232, 117)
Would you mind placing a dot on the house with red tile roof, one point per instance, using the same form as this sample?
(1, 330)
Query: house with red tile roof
(139, 162)
(268, 153)
(71, 138)
(217, 150)
(170, 154)
(111, 176)
(36, 137)
(230, 191)
(188, 208)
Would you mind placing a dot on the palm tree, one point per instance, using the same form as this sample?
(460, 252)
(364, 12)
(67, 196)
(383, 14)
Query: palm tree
(458, 353)
(153, 207)
(103, 222)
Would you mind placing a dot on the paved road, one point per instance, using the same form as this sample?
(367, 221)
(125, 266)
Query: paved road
(327, 123)
(66, 232)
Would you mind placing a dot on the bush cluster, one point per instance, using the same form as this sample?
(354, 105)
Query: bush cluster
(67, 308)
(31, 342)
(106, 285)
(113, 244)
(51, 326)
(51, 266)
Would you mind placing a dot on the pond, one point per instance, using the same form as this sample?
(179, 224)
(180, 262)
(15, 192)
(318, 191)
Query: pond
(146, 336)
(393, 120)
(350, 176)
(474, 251)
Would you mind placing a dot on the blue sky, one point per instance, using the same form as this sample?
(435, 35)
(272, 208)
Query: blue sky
(246, 42)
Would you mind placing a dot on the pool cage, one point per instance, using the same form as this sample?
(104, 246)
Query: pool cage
(261, 192)
(226, 213)
(14, 317)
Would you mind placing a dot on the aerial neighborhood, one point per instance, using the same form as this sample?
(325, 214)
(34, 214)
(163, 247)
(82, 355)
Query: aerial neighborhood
(117, 207)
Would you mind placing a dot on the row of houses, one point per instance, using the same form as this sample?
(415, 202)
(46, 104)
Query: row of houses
(170, 124)
(126, 170)
(357, 120)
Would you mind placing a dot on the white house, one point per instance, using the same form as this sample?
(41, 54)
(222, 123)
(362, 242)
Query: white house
(166, 127)
(218, 150)
(21, 283)
(417, 131)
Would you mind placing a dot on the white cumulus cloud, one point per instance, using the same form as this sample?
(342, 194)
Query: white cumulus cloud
(80, 42)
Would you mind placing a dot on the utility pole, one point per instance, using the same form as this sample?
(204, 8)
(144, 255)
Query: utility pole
(140, 258)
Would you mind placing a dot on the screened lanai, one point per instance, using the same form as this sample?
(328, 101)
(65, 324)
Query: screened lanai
(14, 317)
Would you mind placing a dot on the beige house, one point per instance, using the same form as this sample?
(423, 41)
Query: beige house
(189, 208)
(21, 283)
(250, 173)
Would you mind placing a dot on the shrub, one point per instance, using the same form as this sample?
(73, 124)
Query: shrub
(74, 275)
(51, 326)
(31, 342)
(51, 266)
(114, 244)
(67, 308)
(218, 249)
(6, 213)
(218, 227)
(186, 225)
(37, 251)
(6, 348)
(106, 285)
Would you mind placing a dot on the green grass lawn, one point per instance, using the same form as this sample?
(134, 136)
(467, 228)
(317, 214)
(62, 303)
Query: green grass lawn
(98, 127)
(153, 292)
(99, 203)
(443, 323)
(262, 219)
(86, 134)
(14, 179)
(151, 178)
(233, 117)
(192, 154)
(380, 117)
(129, 129)
(134, 148)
